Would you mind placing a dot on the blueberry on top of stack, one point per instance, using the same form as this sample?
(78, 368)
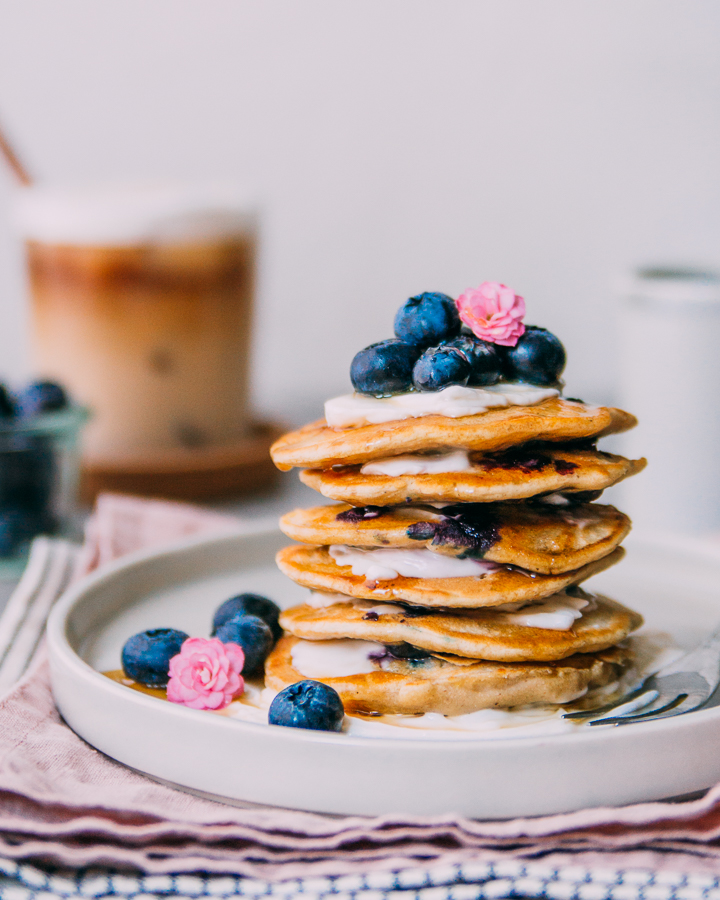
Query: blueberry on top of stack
(446, 579)
(431, 352)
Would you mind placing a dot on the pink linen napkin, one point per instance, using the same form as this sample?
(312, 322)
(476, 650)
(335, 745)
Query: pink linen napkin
(64, 802)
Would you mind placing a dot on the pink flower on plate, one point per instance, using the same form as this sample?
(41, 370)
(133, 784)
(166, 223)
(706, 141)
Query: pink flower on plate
(205, 674)
(493, 312)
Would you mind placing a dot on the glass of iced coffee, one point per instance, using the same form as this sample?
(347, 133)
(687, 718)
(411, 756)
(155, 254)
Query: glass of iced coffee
(142, 307)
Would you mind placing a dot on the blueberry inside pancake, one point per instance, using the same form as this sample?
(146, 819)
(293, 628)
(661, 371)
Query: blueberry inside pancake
(319, 445)
(370, 680)
(479, 479)
(469, 584)
(565, 623)
(544, 538)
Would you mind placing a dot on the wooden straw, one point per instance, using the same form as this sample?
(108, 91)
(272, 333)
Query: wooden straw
(11, 158)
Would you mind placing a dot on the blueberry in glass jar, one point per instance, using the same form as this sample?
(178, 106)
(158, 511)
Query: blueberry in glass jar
(146, 656)
(7, 404)
(27, 477)
(41, 397)
(537, 358)
(307, 704)
(384, 368)
(439, 367)
(18, 527)
(486, 359)
(427, 319)
(253, 635)
(251, 605)
(27, 472)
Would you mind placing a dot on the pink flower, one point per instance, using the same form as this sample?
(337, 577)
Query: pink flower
(205, 674)
(493, 312)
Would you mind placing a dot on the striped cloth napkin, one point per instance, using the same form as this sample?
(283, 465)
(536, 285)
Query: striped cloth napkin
(63, 804)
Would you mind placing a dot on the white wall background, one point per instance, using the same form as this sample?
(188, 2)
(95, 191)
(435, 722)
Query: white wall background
(400, 145)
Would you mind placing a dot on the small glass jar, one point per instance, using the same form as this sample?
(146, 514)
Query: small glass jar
(39, 472)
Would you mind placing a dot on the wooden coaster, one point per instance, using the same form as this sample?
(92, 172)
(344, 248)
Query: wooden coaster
(208, 473)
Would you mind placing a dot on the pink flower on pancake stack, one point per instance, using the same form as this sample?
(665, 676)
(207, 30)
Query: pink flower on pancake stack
(493, 312)
(205, 674)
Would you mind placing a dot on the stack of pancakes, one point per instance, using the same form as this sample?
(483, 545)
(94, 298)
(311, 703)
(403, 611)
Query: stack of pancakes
(513, 535)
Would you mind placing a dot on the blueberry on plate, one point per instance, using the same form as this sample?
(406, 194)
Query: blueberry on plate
(41, 397)
(7, 404)
(250, 605)
(307, 704)
(253, 635)
(427, 319)
(384, 368)
(146, 656)
(486, 359)
(439, 367)
(537, 358)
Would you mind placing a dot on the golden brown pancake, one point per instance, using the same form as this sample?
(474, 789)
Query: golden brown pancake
(318, 446)
(513, 476)
(456, 687)
(313, 567)
(477, 633)
(538, 537)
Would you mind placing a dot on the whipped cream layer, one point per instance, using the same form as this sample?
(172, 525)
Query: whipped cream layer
(428, 464)
(454, 401)
(556, 613)
(122, 214)
(335, 659)
(387, 563)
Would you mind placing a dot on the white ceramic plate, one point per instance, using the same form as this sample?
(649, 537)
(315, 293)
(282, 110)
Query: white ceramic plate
(677, 588)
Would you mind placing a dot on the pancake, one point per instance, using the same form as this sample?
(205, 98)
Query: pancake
(313, 567)
(477, 633)
(510, 476)
(454, 687)
(318, 446)
(541, 538)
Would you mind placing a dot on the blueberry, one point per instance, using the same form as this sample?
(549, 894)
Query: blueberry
(253, 635)
(439, 367)
(40, 397)
(486, 359)
(7, 404)
(250, 605)
(27, 473)
(146, 656)
(537, 358)
(18, 527)
(307, 704)
(427, 319)
(384, 368)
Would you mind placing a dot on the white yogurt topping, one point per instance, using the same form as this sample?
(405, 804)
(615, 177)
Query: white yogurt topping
(321, 599)
(457, 461)
(387, 563)
(131, 213)
(557, 613)
(554, 500)
(335, 659)
(453, 402)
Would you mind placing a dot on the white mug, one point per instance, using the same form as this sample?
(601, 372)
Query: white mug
(669, 332)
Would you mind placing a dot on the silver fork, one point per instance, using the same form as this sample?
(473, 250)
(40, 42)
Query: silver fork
(677, 688)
